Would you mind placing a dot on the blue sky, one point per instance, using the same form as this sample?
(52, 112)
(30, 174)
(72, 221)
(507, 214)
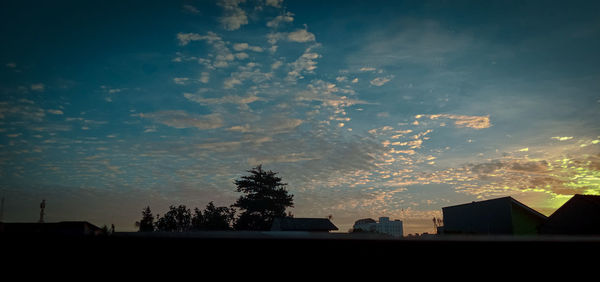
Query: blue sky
(365, 108)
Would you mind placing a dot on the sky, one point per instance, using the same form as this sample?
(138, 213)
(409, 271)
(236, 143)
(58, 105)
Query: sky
(364, 108)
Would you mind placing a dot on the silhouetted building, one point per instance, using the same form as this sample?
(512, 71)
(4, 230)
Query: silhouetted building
(384, 226)
(578, 216)
(497, 216)
(302, 224)
(365, 225)
(70, 228)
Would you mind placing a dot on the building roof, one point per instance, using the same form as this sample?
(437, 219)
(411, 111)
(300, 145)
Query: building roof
(56, 228)
(302, 224)
(579, 215)
(503, 215)
(504, 199)
(364, 221)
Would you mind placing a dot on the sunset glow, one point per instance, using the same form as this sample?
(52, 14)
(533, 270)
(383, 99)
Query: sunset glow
(365, 108)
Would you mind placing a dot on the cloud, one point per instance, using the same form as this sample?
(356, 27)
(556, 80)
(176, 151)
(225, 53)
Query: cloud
(287, 158)
(380, 81)
(562, 138)
(222, 54)
(24, 110)
(240, 46)
(234, 16)
(325, 92)
(40, 87)
(368, 69)
(241, 56)
(55, 112)
(281, 19)
(181, 119)
(245, 46)
(204, 77)
(181, 80)
(191, 9)
(231, 82)
(423, 42)
(270, 125)
(276, 65)
(301, 35)
(186, 38)
(227, 99)
(476, 122)
(274, 3)
(306, 63)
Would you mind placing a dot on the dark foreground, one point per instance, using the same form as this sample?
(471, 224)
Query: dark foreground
(211, 251)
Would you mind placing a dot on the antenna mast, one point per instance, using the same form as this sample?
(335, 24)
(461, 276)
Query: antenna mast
(2, 209)
(42, 207)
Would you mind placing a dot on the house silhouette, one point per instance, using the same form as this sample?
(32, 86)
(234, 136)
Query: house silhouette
(501, 216)
(578, 216)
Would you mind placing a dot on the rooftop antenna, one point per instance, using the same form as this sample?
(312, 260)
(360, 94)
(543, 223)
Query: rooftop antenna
(42, 207)
(2, 209)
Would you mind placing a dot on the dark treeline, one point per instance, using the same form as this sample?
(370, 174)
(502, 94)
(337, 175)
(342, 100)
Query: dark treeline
(264, 199)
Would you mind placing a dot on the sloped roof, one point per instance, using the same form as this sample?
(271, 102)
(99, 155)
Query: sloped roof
(527, 208)
(302, 224)
(579, 215)
(505, 199)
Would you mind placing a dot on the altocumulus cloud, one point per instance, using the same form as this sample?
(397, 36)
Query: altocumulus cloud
(234, 16)
(182, 119)
(301, 35)
(476, 122)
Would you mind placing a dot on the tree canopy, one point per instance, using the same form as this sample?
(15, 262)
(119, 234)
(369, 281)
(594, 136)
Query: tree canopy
(177, 219)
(181, 219)
(147, 222)
(265, 199)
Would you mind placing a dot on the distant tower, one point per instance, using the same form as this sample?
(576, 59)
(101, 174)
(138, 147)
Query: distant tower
(2, 210)
(42, 207)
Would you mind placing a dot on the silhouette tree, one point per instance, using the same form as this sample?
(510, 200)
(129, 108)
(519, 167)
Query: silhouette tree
(266, 198)
(213, 218)
(147, 222)
(218, 218)
(197, 220)
(177, 219)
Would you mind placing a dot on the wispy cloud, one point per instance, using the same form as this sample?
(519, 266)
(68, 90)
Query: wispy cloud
(186, 38)
(181, 80)
(380, 81)
(288, 158)
(55, 112)
(190, 9)
(476, 122)
(39, 87)
(274, 3)
(231, 99)
(181, 119)
(562, 138)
